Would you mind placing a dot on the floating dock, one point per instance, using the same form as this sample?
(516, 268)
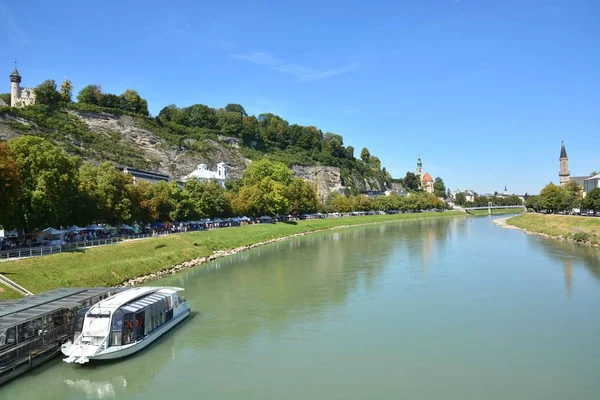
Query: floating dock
(33, 329)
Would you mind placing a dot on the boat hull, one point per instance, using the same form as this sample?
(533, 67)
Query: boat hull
(115, 352)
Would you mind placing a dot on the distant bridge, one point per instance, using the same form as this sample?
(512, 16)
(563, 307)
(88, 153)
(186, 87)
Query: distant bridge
(491, 207)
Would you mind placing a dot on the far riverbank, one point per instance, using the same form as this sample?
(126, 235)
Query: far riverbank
(576, 229)
(141, 260)
(498, 211)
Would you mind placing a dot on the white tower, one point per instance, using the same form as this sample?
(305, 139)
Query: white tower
(15, 87)
(222, 170)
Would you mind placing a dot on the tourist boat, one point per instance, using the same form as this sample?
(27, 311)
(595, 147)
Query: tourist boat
(124, 323)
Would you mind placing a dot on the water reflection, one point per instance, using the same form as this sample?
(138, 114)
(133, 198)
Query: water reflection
(299, 279)
(572, 256)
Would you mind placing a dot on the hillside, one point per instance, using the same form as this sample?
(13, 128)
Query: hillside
(165, 144)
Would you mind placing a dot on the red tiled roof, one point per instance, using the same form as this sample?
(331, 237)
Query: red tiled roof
(427, 178)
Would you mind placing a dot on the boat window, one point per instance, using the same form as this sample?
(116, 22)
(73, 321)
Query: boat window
(8, 336)
(116, 328)
(140, 319)
(128, 328)
(29, 329)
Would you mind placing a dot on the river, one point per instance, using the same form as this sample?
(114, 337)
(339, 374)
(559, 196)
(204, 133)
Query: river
(433, 309)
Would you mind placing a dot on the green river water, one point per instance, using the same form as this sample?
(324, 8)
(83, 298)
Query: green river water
(434, 309)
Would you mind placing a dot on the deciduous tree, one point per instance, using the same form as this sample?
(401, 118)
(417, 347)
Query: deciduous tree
(10, 185)
(91, 94)
(46, 93)
(439, 189)
(48, 182)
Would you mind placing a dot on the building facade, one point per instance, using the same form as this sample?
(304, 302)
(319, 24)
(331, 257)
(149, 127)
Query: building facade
(425, 181)
(202, 173)
(19, 96)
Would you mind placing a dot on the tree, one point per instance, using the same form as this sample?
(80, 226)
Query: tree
(266, 169)
(104, 191)
(592, 174)
(110, 100)
(236, 108)
(140, 195)
(592, 200)
(533, 203)
(553, 198)
(301, 196)
(10, 184)
(411, 181)
(163, 200)
(46, 93)
(91, 94)
(66, 91)
(5, 97)
(350, 153)
(131, 101)
(48, 182)
(207, 199)
(573, 195)
(439, 189)
(365, 155)
(448, 194)
(460, 198)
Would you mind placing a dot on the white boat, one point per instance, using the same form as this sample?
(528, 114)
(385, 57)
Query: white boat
(124, 323)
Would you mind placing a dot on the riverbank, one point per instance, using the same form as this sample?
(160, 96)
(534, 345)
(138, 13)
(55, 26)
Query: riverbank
(141, 260)
(576, 229)
(499, 211)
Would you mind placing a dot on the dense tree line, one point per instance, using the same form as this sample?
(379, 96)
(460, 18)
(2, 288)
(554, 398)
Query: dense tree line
(555, 199)
(337, 202)
(41, 186)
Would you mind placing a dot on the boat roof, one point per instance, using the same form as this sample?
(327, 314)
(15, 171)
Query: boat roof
(15, 312)
(128, 297)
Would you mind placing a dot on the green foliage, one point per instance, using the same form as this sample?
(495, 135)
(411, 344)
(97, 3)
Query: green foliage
(104, 195)
(581, 236)
(10, 184)
(411, 181)
(365, 155)
(533, 203)
(6, 98)
(46, 94)
(592, 200)
(91, 94)
(48, 182)
(460, 199)
(66, 91)
(129, 101)
(439, 189)
(556, 199)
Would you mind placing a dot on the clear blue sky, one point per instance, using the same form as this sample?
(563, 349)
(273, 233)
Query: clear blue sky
(483, 90)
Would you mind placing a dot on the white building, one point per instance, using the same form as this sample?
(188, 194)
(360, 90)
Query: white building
(203, 174)
(19, 97)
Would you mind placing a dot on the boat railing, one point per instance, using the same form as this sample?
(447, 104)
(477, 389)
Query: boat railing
(30, 347)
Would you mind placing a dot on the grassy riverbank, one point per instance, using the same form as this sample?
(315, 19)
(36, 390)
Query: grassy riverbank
(581, 229)
(499, 211)
(114, 264)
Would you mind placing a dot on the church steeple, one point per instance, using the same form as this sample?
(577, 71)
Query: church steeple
(563, 151)
(564, 175)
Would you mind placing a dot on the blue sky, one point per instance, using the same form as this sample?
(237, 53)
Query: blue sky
(483, 90)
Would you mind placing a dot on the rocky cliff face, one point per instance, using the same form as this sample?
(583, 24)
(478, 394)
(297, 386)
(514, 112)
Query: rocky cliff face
(123, 140)
(323, 178)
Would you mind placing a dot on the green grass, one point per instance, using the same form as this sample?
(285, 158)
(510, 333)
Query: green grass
(7, 293)
(583, 229)
(499, 211)
(114, 264)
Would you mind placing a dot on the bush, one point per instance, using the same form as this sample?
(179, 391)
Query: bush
(581, 237)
